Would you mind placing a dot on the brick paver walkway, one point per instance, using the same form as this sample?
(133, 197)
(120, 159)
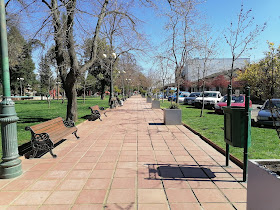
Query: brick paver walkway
(130, 160)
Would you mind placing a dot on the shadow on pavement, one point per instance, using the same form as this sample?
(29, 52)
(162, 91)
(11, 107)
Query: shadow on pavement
(26, 150)
(166, 171)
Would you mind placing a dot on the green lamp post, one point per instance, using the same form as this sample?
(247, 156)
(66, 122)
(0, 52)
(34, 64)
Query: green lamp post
(10, 166)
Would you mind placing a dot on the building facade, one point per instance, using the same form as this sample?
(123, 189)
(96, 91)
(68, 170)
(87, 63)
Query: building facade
(193, 71)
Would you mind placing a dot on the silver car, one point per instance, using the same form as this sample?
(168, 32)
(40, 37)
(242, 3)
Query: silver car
(265, 116)
(190, 99)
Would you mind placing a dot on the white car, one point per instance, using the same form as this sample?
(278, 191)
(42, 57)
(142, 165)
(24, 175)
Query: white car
(211, 98)
(183, 96)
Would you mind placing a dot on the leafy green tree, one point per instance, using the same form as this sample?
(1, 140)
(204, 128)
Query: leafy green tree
(252, 76)
(20, 58)
(46, 77)
(16, 44)
(91, 83)
(117, 89)
(100, 68)
(264, 76)
(87, 84)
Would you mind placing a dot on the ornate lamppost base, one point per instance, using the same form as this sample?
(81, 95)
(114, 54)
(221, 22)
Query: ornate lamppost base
(10, 169)
(10, 166)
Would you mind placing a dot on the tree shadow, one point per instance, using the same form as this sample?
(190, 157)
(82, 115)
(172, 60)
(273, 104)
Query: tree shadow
(33, 120)
(211, 113)
(189, 107)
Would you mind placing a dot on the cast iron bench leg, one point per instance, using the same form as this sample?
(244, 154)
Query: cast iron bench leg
(75, 133)
(53, 155)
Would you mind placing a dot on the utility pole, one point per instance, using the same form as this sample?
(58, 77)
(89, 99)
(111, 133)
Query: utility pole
(10, 166)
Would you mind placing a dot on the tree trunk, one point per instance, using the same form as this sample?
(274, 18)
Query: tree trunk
(202, 108)
(177, 95)
(102, 89)
(63, 94)
(63, 35)
(71, 95)
(231, 72)
(84, 94)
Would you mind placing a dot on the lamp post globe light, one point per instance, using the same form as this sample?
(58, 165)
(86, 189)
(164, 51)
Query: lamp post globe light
(20, 83)
(122, 79)
(124, 72)
(10, 166)
(111, 57)
(128, 81)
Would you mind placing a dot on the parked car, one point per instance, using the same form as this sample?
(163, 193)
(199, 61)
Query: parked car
(190, 99)
(184, 92)
(174, 95)
(265, 117)
(235, 101)
(211, 98)
(182, 96)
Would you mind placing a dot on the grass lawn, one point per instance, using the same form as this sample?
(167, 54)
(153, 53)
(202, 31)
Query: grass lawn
(265, 143)
(33, 112)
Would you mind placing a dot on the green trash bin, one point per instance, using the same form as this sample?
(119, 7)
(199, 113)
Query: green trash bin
(234, 126)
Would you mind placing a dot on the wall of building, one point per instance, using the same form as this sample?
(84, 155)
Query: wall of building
(194, 68)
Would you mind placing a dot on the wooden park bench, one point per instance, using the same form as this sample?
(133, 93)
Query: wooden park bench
(114, 102)
(96, 112)
(119, 101)
(46, 134)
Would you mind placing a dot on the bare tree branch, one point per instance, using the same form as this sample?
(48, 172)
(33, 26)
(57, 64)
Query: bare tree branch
(241, 35)
(46, 3)
(97, 31)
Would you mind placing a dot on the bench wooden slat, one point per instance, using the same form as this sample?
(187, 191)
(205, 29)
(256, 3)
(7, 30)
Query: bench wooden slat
(57, 136)
(51, 124)
(46, 124)
(50, 128)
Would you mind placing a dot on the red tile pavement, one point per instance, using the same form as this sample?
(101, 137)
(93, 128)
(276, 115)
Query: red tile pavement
(130, 160)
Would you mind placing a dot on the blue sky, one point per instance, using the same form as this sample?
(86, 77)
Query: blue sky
(222, 12)
(219, 14)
